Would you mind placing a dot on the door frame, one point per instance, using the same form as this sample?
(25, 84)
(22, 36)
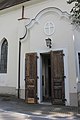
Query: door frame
(66, 80)
(77, 62)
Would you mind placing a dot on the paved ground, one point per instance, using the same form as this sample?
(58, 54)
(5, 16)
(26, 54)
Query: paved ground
(14, 109)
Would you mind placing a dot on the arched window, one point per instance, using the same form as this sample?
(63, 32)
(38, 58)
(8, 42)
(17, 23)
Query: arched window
(3, 58)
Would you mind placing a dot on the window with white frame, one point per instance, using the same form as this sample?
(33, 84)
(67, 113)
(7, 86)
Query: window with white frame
(3, 56)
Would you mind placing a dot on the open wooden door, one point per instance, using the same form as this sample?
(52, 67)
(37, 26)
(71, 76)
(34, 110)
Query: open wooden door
(57, 77)
(31, 77)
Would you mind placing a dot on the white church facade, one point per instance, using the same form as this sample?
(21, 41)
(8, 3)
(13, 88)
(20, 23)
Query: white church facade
(39, 52)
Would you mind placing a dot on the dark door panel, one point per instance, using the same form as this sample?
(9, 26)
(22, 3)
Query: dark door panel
(31, 77)
(57, 77)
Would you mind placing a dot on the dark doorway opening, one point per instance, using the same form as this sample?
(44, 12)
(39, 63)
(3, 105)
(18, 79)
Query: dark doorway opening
(46, 77)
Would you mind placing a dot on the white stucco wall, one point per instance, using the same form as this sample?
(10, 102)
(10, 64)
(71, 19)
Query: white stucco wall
(62, 39)
(9, 30)
(76, 36)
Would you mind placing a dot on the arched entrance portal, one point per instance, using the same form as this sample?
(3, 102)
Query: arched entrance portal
(52, 77)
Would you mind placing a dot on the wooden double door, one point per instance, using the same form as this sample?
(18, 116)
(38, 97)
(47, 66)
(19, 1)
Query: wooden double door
(57, 77)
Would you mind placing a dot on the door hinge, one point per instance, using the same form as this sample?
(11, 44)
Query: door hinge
(37, 57)
(63, 54)
(64, 76)
(37, 77)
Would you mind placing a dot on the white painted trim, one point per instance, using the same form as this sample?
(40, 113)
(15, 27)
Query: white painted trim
(40, 14)
(39, 81)
(77, 67)
(67, 97)
(1, 42)
(46, 10)
(49, 31)
(1, 45)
